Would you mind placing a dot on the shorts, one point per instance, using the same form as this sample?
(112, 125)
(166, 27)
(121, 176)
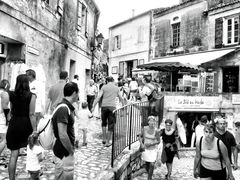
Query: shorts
(108, 117)
(63, 171)
(215, 175)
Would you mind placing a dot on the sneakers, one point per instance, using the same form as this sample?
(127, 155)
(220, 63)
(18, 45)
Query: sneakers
(84, 144)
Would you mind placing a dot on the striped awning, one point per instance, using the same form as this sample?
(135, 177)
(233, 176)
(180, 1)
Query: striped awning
(169, 66)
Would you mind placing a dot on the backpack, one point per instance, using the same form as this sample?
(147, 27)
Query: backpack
(153, 95)
(45, 129)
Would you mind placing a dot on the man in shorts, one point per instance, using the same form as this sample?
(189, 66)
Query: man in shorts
(108, 93)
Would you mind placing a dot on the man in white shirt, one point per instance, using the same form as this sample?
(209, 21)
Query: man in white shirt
(133, 89)
(36, 89)
(145, 93)
(91, 92)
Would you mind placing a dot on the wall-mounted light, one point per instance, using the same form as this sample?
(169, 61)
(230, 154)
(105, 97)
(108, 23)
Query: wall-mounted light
(99, 39)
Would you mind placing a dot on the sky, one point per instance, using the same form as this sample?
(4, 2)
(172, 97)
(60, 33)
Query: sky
(115, 11)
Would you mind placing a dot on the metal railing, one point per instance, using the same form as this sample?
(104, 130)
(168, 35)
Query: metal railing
(129, 121)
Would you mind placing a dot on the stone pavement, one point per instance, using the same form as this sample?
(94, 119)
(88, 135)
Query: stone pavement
(90, 161)
(182, 170)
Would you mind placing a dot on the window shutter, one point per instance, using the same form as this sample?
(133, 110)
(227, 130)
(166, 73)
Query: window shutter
(119, 41)
(218, 33)
(86, 20)
(239, 31)
(121, 68)
(157, 33)
(112, 43)
(79, 15)
(60, 7)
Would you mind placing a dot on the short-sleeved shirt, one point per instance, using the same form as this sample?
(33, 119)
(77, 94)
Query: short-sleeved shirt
(199, 131)
(228, 139)
(110, 92)
(32, 163)
(56, 93)
(62, 116)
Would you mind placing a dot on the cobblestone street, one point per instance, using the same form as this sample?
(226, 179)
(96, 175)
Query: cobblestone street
(182, 170)
(89, 161)
(93, 159)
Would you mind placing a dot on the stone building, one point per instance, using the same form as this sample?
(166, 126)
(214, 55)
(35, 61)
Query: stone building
(205, 34)
(49, 36)
(129, 44)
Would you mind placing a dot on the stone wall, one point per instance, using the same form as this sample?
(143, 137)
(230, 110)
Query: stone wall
(193, 29)
(41, 35)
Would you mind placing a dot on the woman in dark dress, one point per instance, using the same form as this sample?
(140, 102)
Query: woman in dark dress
(170, 149)
(22, 122)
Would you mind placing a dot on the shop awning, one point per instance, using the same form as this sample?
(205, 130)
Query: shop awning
(169, 66)
(194, 59)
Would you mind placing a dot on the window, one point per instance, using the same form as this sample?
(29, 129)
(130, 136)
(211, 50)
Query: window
(231, 30)
(114, 70)
(117, 42)
(82, 17)
(176, 34)
(230, 79)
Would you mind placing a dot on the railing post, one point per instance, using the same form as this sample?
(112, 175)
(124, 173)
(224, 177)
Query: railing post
(113, 139)
(130, 127)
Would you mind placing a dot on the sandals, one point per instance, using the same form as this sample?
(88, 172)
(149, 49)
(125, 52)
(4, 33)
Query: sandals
(167, 176)
(108, 145)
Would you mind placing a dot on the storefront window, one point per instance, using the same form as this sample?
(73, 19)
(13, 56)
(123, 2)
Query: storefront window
(230, 79)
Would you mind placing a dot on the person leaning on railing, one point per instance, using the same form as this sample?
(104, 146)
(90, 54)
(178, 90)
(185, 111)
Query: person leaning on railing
(149, 140)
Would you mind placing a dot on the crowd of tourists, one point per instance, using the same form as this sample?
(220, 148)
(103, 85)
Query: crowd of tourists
(21, 111)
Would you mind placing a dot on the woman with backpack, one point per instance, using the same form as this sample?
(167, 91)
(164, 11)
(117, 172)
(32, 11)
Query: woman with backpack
(211, 159)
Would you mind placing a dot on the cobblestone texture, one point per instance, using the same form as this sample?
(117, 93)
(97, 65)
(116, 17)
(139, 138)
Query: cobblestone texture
(92, 160)
(182, 170)
(89, 161)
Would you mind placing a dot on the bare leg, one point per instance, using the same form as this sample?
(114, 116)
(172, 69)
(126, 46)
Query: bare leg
(109, 137)
(12, 164)
(169, 168)
(84, 136)
(2, 142)
(104, 130)
(150, 171)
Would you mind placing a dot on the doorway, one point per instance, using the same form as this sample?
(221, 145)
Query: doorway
(230, 79)
(190, 121)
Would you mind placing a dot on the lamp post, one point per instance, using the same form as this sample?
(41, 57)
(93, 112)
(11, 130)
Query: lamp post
(99, 38)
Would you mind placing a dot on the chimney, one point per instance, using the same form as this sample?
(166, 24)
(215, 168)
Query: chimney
(133, 12)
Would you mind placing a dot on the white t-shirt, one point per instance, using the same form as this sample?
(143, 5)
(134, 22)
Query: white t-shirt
(35, 87)
(33, 163)
(133, 85)
(199, 132)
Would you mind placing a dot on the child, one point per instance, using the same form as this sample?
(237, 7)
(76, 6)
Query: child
(34, 156)
(84, 115)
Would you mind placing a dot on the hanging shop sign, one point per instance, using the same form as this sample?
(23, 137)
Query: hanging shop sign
(192, 103)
